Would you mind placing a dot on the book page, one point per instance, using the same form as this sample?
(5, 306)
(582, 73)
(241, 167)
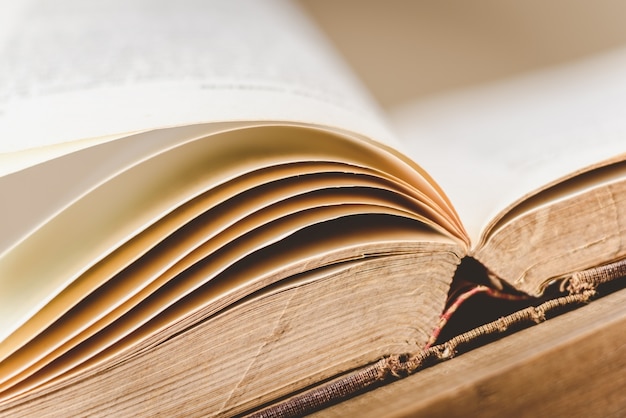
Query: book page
(494, 144)
(72, 70)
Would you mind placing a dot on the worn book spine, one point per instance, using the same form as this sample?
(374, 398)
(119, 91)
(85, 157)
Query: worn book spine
(581, 287)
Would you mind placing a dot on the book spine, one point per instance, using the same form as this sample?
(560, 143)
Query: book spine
(582, 287)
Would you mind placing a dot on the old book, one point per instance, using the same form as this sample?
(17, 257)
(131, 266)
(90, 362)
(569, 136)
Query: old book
(203, 211)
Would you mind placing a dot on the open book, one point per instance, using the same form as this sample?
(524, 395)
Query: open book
(203, 211)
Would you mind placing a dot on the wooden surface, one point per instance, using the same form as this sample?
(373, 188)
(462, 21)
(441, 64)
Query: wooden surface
(573, 365)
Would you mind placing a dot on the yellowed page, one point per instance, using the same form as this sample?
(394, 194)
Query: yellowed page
(145, 327)
(129, 73)
(80, 236)
(76, 73)
(137, 284)
(200, 251)
(52, 185)
(76, 70)
(491, 145)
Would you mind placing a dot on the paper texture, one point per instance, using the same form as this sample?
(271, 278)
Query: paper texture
(492, 145)
(73, 69)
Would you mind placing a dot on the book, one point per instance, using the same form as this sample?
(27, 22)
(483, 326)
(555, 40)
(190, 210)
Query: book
(204, 211)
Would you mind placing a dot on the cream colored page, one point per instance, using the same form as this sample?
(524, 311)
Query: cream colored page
(80, 69)
(73, 69)
(491, 145)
